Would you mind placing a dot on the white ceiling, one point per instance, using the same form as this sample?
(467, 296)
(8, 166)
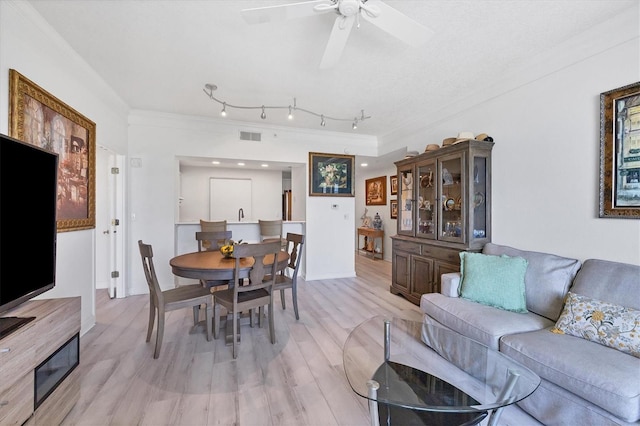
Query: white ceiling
(158, 55)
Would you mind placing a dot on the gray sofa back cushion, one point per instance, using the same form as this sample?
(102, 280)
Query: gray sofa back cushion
(547, 280)
(613, 282)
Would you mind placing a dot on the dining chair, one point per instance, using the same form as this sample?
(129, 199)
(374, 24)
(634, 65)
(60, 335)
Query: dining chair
(256, 294)
(271, 230)
(213, 239)
(209, 226)
(288, 278)
(162, 301)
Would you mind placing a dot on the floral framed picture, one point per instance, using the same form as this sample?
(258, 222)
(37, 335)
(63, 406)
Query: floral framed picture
(393, 205)
(376, 191)
(393, 183)
(620, 153)
(39, 118)
(331, 174)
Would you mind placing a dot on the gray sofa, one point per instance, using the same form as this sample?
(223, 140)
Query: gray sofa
(582, 382)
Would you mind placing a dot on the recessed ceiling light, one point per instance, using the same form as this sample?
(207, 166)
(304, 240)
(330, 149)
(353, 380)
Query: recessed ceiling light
(215, 162)
(264, 165)
(363, 165)
(240, 164)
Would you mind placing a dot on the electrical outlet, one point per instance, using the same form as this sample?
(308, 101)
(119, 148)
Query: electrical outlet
(334, 206)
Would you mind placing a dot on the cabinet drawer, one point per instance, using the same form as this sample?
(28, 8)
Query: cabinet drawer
(441, 253)
(406, 246)
(17, 355)
(16, 402)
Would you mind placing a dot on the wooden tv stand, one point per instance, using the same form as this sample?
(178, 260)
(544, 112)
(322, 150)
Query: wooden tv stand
(56, 322)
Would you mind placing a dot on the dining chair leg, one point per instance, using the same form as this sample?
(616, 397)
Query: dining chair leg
(152, 317)
(282, 299)
(294, 295)
(272, 331)
(159, 333)
(235, 334)
(216, 321)
(207, 319)
(251, 318)
(260, 315)
(196, 315)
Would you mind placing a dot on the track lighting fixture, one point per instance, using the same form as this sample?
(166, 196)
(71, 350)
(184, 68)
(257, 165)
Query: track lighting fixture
(210, 88)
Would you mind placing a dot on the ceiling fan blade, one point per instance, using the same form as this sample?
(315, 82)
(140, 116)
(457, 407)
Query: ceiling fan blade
(337, 40)
(282, 12)
(397, 24)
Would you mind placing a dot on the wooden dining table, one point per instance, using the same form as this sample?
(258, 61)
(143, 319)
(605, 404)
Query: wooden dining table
(212, 265)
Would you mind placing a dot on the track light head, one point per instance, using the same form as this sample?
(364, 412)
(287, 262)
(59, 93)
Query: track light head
(263, 115)
(322, 122)
(224, 109)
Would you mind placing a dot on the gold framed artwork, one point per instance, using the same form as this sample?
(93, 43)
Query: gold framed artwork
(39, 118)
(331, 174)
(393, 206)
(376, 191)
(620, 152)
(393, 183)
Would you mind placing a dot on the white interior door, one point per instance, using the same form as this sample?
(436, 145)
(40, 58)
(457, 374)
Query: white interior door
(227, 196)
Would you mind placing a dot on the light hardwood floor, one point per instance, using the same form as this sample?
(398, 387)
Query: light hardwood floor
(298, 381)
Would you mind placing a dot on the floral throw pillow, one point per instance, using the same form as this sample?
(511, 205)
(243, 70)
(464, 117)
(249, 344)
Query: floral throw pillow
(605, 323)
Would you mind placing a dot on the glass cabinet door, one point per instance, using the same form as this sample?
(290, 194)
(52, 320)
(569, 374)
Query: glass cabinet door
(427, 209)
(405, 201)
(480, 213)
(451, 204)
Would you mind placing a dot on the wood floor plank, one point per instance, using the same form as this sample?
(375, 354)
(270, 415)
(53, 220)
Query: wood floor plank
(298, 381)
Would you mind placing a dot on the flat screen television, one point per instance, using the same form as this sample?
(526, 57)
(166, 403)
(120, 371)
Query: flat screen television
(28, 234)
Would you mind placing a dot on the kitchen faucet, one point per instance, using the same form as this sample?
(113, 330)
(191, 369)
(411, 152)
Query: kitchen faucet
(240, 214)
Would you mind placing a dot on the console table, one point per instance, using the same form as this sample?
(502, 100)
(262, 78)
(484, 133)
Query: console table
(370, 235)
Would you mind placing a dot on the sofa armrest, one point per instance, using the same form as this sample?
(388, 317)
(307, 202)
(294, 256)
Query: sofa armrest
(449, 284)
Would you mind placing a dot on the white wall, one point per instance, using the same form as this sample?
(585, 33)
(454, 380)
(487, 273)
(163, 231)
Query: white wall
(266, 192)
(545, 122)
(30, 46)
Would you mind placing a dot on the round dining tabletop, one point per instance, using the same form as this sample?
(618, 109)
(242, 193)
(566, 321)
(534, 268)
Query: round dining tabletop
(211, 265)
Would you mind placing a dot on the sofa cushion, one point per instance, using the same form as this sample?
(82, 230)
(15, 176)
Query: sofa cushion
(610, 325)
(612, 282)
(596, 373)
(496, 281)
(479, 322)
(547, 279)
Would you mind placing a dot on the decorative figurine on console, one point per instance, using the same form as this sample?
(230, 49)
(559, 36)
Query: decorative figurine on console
(366, 220)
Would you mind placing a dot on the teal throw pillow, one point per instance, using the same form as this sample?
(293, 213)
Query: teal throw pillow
(496, 281)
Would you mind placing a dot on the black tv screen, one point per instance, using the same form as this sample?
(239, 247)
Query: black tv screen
(28, 194)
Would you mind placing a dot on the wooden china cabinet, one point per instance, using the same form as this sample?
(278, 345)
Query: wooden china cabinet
(444, 207)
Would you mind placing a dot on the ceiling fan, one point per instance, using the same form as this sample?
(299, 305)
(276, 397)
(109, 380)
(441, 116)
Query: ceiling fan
(349, 12)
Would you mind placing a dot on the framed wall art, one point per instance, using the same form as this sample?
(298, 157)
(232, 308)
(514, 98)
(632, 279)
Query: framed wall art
(393, 183)
(331, 174)
(393, 206)
(376, 191)
(39, 118)
(620, 152)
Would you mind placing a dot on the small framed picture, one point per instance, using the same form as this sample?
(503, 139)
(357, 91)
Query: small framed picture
(394, 209)
(393, 183)
(376, 191)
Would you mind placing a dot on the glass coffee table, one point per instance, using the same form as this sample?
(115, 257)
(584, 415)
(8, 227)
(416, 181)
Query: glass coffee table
(418, 374)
